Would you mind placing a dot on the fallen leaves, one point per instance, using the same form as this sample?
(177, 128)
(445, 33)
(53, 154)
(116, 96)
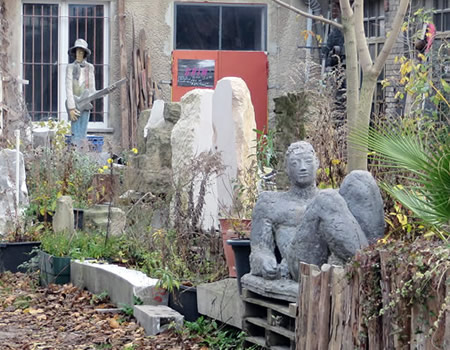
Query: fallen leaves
(65, 317)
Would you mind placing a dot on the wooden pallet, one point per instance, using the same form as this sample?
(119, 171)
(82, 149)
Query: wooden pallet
(269, 323)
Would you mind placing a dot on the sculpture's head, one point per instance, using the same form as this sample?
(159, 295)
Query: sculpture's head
(80, 50)
(301, 164)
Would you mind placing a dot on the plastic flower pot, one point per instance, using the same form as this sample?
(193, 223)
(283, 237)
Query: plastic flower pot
(184, 300)
(233, 229)
(241, 249)
(13, 254)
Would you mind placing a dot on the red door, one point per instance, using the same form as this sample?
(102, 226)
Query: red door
(251, 66)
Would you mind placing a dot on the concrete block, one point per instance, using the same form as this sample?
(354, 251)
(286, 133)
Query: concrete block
(121, 284)
(221, 301)
(156, 319)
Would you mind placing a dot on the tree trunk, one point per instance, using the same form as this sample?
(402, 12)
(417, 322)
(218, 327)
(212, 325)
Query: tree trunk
(357, 155)
(352, 75)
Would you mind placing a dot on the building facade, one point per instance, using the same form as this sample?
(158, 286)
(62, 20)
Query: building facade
(41, 32)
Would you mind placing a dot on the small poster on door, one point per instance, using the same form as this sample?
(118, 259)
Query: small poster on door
(196, 73)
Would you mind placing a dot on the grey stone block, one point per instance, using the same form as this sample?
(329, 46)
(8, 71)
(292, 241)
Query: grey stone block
(221, 300)
(156, 319)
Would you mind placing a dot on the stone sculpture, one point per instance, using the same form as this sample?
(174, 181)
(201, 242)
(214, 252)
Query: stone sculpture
(311, 225)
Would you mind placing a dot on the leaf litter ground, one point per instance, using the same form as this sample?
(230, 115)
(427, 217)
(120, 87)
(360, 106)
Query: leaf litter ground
(65, 317)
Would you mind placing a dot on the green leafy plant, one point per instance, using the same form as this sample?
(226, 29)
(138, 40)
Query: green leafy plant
(210, 334)
(81, 245)
(126, 309)
(99, 298)
(424, 160)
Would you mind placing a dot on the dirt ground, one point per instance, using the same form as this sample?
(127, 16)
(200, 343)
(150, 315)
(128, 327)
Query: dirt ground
(65, 317)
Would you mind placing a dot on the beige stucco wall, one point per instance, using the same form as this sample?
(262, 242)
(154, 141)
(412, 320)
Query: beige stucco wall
(156, 17)
(12, 14)
(283, 38)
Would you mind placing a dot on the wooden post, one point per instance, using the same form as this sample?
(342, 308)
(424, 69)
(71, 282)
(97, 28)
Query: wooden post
(303, 306)
(124, 109)
(337, 321)
(323, 332)
(388, 339)
(447, 312)
(312, 336)
(356, 312)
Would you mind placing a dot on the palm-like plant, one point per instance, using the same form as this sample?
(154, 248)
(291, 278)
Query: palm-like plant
(423, 159)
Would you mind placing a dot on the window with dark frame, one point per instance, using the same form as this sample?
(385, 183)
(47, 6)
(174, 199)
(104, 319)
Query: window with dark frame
(41, 25)
(220, 27)
(441, 17)
(40, 60)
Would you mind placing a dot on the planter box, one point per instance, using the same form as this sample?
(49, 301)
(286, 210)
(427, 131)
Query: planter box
(184, 300)
(13, 254)
(241, 249)
(53, 269)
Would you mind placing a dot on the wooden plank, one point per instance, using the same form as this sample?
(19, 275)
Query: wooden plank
(418, 340)
(148, 68)
(277, 307)
(274, 304)
(124, 98)
(302, 318)
(143, 73)
(356, 312)
(388, 339)
(324, 308)
(261, 341)
(258, 321)
(374, 333)
(347, 287)
(280, 347)
(402, 326)
(446, 326)
(337, 319)
(293, 309)
(312, 339)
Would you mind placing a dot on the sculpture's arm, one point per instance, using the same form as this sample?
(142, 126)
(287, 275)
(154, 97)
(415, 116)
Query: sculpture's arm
(69, 87)
(263, 261)
(91, 79)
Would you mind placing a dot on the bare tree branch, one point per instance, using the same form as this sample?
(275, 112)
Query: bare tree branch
(363, 49)
(392, 38)
(308, 15)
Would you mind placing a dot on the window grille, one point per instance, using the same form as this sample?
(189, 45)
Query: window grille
(49, 29)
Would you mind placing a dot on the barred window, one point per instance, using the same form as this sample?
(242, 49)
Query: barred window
(441, 16)
(49, 30)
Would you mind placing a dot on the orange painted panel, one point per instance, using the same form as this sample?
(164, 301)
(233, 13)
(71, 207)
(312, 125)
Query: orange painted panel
(251, 66)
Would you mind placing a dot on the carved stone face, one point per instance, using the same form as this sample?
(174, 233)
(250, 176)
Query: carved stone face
(301, 167)
(79, 54)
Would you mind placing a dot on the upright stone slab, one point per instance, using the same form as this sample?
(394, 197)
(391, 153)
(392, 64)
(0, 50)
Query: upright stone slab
(150, 170)
(97, 218)
(8, 210)
(192, 135)
(233, 123)
(63, 221)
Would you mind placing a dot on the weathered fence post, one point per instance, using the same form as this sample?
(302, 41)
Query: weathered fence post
(324, 307)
